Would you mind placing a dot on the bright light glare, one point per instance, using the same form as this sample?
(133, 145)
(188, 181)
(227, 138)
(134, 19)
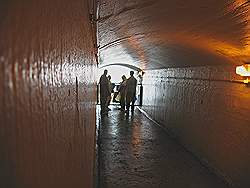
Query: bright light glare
(243, 70)
(246, 81)
(115, 72)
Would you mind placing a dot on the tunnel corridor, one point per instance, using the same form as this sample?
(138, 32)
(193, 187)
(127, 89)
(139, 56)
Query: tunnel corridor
(196, 60)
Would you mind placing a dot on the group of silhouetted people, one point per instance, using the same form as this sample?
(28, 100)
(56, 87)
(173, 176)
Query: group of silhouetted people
(126, 92)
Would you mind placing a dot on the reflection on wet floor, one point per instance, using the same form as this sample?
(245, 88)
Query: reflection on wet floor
(135, 153)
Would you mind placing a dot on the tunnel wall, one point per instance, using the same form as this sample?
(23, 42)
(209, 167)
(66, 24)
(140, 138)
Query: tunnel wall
(207, 111)
(47, 94)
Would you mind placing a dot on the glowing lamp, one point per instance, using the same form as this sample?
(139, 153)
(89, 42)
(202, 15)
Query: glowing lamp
(244, 70)
(246, 81)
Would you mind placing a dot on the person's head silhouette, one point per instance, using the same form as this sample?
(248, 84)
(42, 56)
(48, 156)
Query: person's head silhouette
(124, 78)
(131, 73)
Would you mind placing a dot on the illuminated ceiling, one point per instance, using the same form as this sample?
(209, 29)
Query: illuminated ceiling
(154, 34)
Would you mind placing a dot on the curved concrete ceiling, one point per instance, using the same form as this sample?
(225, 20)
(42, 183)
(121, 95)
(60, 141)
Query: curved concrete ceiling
(121, 64)
(153, 34)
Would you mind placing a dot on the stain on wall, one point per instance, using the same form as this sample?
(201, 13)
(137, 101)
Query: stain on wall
(207, 110)
(47, 94)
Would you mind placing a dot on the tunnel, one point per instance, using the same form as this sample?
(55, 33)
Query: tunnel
(195, 59)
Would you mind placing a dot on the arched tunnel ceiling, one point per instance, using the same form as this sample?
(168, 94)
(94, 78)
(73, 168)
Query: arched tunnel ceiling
(130, 66)
(154, 34)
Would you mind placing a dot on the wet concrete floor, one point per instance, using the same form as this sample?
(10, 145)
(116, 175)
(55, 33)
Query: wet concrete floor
(136, 153)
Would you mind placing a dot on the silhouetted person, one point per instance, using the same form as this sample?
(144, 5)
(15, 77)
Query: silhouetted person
(122, 91)
(104, 91)
(110, 87)
(131, 92)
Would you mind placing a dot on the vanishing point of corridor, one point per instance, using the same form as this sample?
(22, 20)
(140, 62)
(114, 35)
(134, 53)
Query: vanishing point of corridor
(136, 153)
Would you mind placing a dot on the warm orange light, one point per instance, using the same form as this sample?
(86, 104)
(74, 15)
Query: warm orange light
(243, 70)
(247, 81)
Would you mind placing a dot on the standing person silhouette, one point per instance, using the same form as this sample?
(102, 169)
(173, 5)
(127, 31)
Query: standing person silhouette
(122, 91)
(110, 91)
(104, 91)
(131, 92)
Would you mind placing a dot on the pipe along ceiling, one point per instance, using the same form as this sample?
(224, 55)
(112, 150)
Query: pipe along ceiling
(153, 34)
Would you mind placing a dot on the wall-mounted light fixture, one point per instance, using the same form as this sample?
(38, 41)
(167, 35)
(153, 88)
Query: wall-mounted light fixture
(244, 71)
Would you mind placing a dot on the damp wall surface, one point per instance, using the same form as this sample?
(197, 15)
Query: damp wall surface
(208, 112)
(47, 94)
